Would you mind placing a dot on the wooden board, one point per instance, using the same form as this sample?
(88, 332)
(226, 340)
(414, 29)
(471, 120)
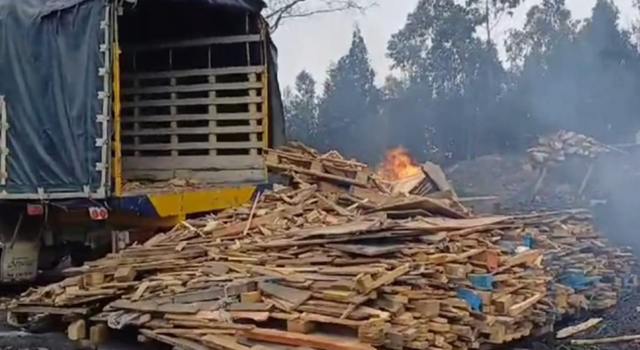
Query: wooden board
(297, 339)
(195, 72)
(193, 163)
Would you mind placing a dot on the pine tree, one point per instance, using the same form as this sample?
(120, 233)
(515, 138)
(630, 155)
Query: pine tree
(606, 73)
(439, 51)
(349, 104)
(302, 110)
(581, 78)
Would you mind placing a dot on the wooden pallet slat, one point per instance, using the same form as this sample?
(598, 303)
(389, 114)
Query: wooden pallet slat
(232, 162)
(211, 177)
(200, 130)
(191, 88)
(193, 101)
(192, 146)
(192, 117)
(195, 72)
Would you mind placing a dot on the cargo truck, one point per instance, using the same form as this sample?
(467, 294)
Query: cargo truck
(118, 118)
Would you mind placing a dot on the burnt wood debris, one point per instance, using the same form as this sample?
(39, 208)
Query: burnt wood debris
(342, 259)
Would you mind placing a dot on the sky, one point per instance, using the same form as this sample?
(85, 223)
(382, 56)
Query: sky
(312, 44)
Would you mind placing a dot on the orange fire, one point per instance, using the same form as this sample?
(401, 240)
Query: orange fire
(398, 165)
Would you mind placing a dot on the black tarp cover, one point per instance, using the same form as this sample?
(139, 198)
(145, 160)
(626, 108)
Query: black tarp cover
(247, 5)
(49, 63)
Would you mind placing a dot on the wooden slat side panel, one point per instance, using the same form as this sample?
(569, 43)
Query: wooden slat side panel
(197, 123)
(195, 72)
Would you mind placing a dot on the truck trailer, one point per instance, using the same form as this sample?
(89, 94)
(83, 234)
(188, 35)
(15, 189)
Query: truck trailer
(121, 117)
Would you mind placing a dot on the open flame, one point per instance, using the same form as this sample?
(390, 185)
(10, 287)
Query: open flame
(398, 165)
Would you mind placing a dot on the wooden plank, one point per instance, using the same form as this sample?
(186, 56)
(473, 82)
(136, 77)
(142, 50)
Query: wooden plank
(163, 89)
(190, 117)
(192, 145)
(224, 342)
(528, 257)
(433, 205)
(93, 279)
(385, 279)
(257, 316)
(249, 307)
(201, 130)
(216, 40)
(581, 327)
(193, 101)
(609, 340)
(176, 342)
(300, 326)
(346, 228)
(331, 320)
(208, 177)
(367, 250)
(212, 293)
(291, 295)
(35, 309)
(195, 72)
(437, 175)
(297, 339)
(251, 297)
(520, 307)
(239, 227)
(193, 162)
(140, 291)
(427, 308)
(315, 173)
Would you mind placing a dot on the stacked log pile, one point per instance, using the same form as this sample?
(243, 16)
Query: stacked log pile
(338, 262)
(556, 148)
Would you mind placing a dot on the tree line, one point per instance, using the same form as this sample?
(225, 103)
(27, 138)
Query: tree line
(455, 98)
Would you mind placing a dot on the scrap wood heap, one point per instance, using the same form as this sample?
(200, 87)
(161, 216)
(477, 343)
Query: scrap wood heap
(336, 262)
(556, 148)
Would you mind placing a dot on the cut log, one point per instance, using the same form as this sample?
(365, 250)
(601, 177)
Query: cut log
(77, 330)
(98, 334)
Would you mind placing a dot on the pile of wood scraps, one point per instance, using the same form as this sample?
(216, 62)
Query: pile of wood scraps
(338, 264)
(556, 148)
(304, 163)
(560, 147)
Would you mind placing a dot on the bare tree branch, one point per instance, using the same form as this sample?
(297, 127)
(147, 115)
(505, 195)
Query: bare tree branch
(279, 11)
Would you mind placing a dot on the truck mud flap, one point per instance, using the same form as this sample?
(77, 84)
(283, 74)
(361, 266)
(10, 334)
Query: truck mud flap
(19, 261)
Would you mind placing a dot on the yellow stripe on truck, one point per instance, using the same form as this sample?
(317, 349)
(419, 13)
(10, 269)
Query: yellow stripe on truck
(200, 201)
